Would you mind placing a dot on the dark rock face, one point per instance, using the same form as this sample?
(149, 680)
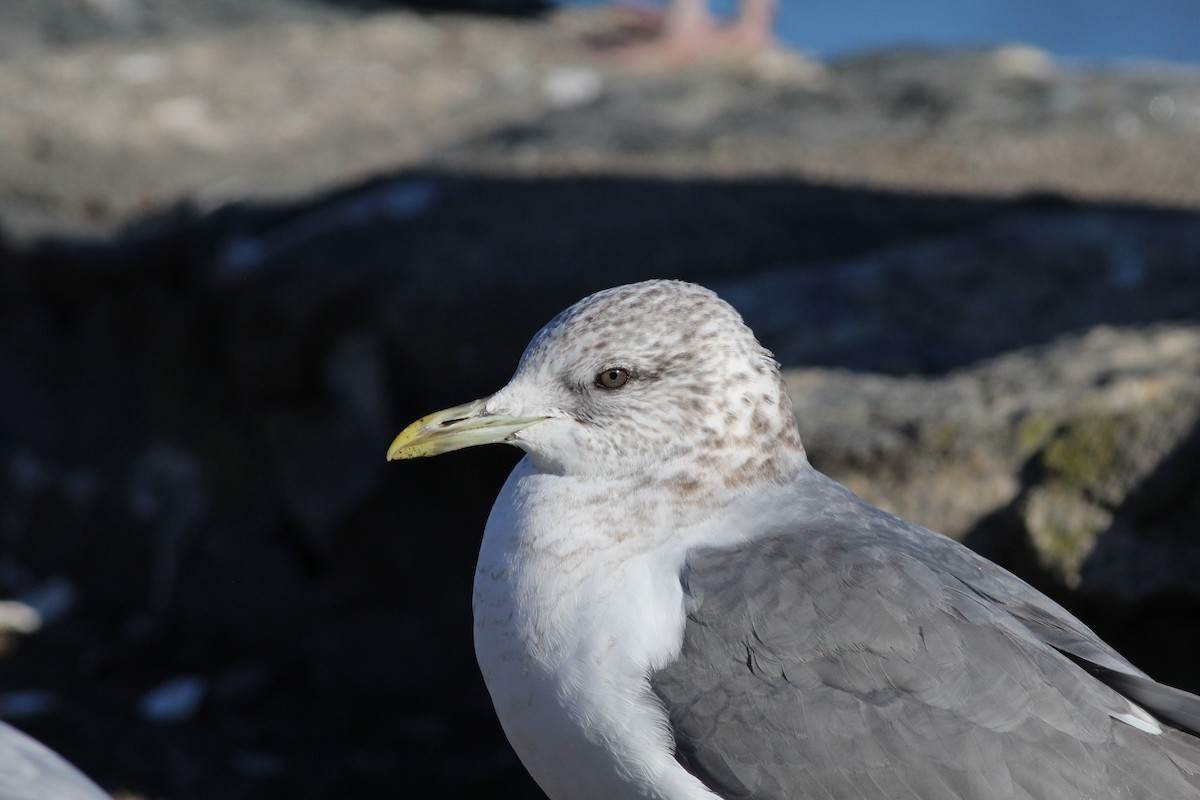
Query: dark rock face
(204, 353)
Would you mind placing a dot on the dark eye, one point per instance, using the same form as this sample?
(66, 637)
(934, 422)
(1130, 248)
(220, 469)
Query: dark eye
(613, 378)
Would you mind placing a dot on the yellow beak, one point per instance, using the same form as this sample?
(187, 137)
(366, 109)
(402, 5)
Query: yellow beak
(467, 425)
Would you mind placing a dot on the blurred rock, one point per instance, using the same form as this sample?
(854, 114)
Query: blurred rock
(19, 617)
(245, 256)
(327, 460)
(166, 491)
(174, 701)
(52, 600)
(258, 765)
(95, 135)
(20, 705)
(1080, 453)
(1024, 62)
(945, 302)
(568, 87)
(27, 26)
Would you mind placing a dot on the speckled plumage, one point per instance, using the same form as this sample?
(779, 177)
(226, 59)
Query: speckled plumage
(671, 603)
(703, 393)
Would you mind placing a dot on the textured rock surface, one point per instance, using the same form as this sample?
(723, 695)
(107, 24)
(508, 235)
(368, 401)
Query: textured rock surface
(219, 102)
(1082, 451)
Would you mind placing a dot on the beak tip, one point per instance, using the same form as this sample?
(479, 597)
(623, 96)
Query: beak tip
(396, 450)
(454, 429)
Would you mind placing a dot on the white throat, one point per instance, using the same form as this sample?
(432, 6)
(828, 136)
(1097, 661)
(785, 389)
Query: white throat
(577, 600)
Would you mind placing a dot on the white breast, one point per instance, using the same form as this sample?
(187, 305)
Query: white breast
(570, 619)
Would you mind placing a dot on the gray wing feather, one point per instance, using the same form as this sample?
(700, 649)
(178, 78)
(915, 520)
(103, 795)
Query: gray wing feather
(853, 656)
(31, 771)
(1172, 705)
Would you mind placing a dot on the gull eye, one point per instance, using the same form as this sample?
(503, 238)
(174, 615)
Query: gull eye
(613, 378)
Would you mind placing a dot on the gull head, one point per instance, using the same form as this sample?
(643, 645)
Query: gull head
(660, 380)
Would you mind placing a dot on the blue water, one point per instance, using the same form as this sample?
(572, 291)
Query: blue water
(1102, 31)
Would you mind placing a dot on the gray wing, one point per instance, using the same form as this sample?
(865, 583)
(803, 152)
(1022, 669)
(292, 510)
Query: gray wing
(857, 656)
(31, 771)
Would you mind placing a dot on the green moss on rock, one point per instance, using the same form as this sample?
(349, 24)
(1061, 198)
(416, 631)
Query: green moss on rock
(1086, 451)
(947, 436)
(1063, 527)
(1032, 433)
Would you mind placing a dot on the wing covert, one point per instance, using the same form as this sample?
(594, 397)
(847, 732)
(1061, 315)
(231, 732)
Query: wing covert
(857, 656)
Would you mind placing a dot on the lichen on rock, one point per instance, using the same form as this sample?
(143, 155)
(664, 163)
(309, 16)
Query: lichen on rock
(1062, 529)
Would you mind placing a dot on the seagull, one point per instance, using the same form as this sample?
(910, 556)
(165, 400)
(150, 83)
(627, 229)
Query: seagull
(671, 603)
(31, 771)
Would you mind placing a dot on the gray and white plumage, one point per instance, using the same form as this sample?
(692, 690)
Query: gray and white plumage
(671, 603)
(31, 771)
(858, 656)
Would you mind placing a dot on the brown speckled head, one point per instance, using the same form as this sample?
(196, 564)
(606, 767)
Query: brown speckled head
(698, 403)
